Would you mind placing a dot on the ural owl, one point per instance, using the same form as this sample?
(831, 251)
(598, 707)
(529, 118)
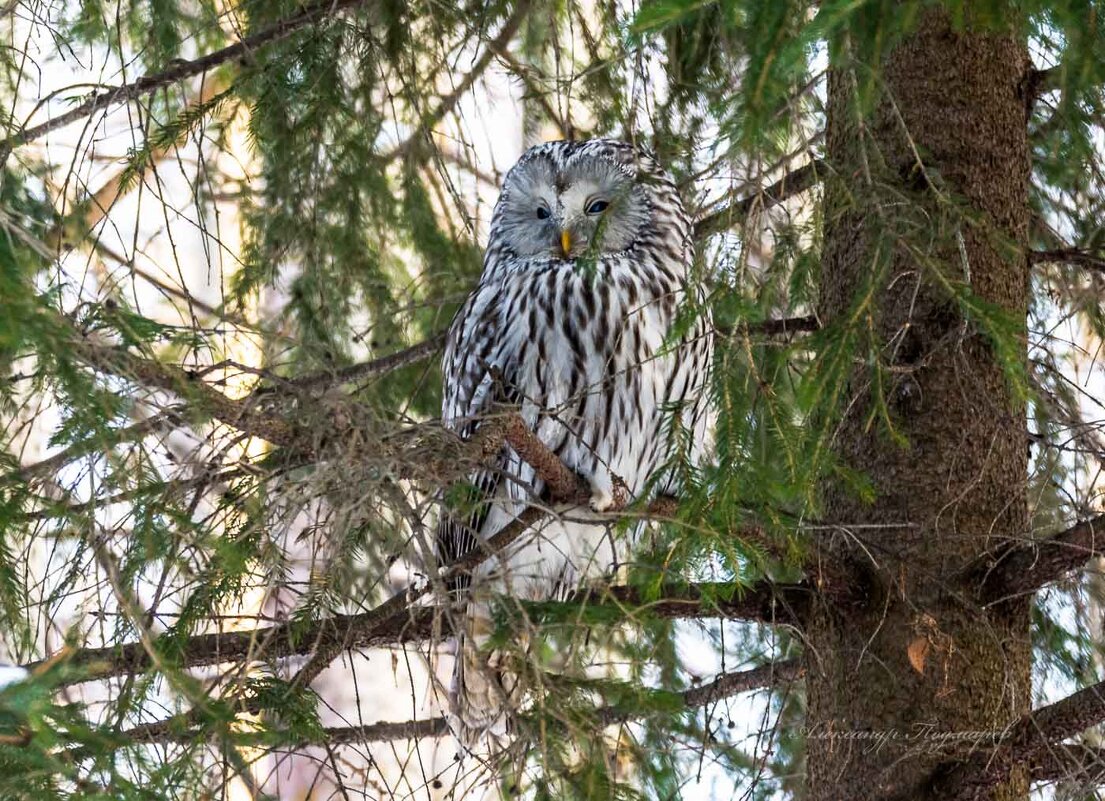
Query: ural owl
(572, 322)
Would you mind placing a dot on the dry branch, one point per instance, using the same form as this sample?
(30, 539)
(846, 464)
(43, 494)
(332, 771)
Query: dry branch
(400, 621)
(403, 619)
(764, 602)
(370, 369)
(241, 414)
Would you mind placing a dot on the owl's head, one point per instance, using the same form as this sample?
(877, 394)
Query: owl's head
(567, 199)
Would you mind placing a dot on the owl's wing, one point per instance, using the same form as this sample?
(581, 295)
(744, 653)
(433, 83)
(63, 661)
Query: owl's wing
(478, 368)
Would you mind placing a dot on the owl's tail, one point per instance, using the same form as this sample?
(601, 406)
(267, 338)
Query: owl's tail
(484, 692)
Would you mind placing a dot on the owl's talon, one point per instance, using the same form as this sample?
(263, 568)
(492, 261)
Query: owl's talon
(602, 500)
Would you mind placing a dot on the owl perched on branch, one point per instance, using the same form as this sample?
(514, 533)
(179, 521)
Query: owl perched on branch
(574, 324)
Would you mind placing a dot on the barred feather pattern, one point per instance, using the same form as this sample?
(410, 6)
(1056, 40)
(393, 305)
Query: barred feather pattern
(585, 348)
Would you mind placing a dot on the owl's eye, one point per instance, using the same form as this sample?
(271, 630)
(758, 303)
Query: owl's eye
(598, 207)
(543, 213)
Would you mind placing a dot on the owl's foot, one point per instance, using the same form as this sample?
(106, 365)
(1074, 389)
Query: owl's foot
(602, 500)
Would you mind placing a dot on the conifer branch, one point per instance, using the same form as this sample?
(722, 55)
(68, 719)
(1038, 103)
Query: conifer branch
(791, 184)
(241, 414)
(429, 347)
(1024, 567)
(182, 70)
(400, 621)
(782, 326)
(449, 102)
(184, 727)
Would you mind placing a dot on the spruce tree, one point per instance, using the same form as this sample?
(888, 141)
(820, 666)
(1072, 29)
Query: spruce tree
(233, 235)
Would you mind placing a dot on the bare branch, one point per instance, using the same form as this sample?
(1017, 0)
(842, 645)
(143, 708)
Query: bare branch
(778, 327)
(372, 369)
(50, 465)
(1024, 567)
(1027, 742)
(1081, 764)
(791, 184)
(1075, 256)
(424, 350)
(764, 602)
(241, 414)
(399, 621)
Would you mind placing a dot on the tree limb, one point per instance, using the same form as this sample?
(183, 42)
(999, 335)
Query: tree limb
(1023, 567)
(449, 102)
(182, 70)
(1075, 256)
(791, 184)
(370, 369)
(724, 686)
(774, 327)
(241, 414)
(1026, 743)
(1080, 764)
(400, 621)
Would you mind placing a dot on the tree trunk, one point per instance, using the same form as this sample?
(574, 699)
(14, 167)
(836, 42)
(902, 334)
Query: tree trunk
(918, 657)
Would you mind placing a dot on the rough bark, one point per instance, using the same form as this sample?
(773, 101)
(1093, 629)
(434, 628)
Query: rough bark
(923, 655)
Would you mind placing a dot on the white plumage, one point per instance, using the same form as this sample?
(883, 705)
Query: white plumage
(573, 321)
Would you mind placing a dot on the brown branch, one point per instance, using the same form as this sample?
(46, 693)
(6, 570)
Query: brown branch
(763, 602)
(398, 621)
(371, 369)
(241, 414)
(183, 727)
(432, 345)
(182, 70)
(727, 685)
(563, 483)
(778, 327)
(85, 447)
(1080, 764)
(1024, 567)
(1027, 742)
(1040, 82)
(1074, 256)
(791, 184)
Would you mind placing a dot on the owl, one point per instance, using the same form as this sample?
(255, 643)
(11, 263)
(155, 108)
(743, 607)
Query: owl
(574, 324)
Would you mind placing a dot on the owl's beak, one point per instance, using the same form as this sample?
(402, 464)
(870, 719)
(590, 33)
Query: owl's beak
(565, 243)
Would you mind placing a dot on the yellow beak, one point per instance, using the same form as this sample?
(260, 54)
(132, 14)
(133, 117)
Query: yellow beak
(566, 242)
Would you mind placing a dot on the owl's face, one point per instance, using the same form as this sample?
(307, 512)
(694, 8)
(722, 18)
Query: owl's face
(567, 202)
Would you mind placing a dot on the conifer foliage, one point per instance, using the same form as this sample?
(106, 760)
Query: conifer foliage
(232, 235)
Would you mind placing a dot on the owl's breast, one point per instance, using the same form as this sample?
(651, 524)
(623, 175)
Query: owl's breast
(591, 365)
